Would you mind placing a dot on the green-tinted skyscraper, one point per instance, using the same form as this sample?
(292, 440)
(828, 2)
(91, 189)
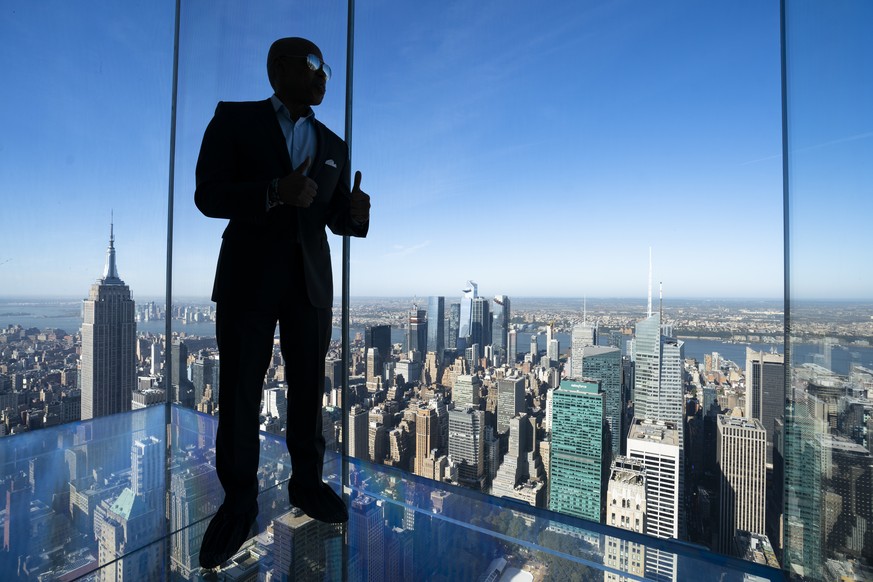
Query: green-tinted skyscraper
(577, 450)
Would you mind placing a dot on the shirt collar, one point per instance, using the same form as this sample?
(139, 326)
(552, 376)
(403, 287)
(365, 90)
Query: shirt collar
(280, 109)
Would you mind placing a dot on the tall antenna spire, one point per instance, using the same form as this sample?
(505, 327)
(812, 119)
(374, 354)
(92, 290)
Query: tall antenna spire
(661, 301)
(110, 271)
(649, 310)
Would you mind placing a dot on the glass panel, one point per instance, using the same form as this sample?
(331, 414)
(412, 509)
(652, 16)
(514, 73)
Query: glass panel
(402, 527)
(521, 160)
(826, 445)
(223, 55)
(84, 176)
(81, 495)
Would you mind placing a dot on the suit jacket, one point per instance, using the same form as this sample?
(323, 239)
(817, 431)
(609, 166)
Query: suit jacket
(244, 149)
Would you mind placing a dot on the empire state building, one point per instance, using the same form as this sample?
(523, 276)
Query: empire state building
(108, 343)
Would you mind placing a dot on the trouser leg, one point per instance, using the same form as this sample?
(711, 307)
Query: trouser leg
(245, 339)
(305, 337)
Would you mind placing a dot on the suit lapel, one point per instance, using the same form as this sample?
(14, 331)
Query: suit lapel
(320, 149)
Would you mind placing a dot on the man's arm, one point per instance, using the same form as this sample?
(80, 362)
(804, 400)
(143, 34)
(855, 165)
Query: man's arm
(222, 191)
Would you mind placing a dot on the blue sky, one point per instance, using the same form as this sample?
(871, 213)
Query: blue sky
(540, 152)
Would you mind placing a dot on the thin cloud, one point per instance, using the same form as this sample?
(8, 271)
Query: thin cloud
(405, 251)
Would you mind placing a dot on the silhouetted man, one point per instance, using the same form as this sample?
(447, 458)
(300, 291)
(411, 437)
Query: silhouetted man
(280, 177)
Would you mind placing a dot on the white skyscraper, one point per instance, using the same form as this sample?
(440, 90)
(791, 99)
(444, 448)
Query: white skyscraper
(656, 445)
(470, 292)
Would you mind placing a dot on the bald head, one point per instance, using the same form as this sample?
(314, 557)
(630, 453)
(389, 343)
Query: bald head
(290, 46)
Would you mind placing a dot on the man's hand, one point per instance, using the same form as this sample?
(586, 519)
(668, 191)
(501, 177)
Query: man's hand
(296, 189)
(360, 206)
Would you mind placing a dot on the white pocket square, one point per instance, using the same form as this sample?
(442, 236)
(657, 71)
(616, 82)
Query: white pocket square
(330, 163)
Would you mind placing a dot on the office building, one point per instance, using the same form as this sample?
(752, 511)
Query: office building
(436, 325)
(658, 375)
(579, 453)
(467, 445)
(358, 433)
(195, 495)
(416, 340)
(366, 540)
(521, 474)
(625, 509)
(465, 319)
(467, 391)
(204, 373)
(765, 391)
(511, 346)
(500, 311)
(108, 343)
(604, 364)
(510, 401)
(378, 336)
(741, 452)
(655, 444)
(480, 322)
(306, 549)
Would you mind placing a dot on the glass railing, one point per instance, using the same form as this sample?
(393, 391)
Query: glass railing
(92, 499)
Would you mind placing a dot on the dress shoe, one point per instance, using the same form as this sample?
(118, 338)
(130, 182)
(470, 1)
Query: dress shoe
(227, 532)
(318, 501)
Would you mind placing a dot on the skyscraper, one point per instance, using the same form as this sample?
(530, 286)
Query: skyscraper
(520, 474)
(204, 372)
(182, 389)
(417, 336)
(577, 448)
(453, 321)
(147, 470)
(765, 391)
(510, 401)
(358, 433)
(500, 328)
(427, 433)
(467, 445)
(306, 549)
(646, 355)
(741, 453)
(604, 364)
(378, 336)
(582, 335)
(656, 445)
(625, 509)
(195, 494)
(108, 343)
(467, 390)
(366, 539)
(436, 325)
(511, 346)
(658, 375)
(480, 323)
(470, 292)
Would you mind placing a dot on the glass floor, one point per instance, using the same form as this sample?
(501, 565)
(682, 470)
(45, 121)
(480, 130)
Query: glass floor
(128, 497)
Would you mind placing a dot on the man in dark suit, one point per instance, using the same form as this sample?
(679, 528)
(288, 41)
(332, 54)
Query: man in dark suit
(280, 177)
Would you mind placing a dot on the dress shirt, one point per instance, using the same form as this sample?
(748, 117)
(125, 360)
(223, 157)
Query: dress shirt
(300, 135)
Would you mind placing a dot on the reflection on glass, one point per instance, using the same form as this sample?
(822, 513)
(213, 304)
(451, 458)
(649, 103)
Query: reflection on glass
(89, 498)
(824, 448)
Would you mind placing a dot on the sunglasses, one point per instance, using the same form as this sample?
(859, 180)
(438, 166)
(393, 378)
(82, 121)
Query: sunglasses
(314, 63)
